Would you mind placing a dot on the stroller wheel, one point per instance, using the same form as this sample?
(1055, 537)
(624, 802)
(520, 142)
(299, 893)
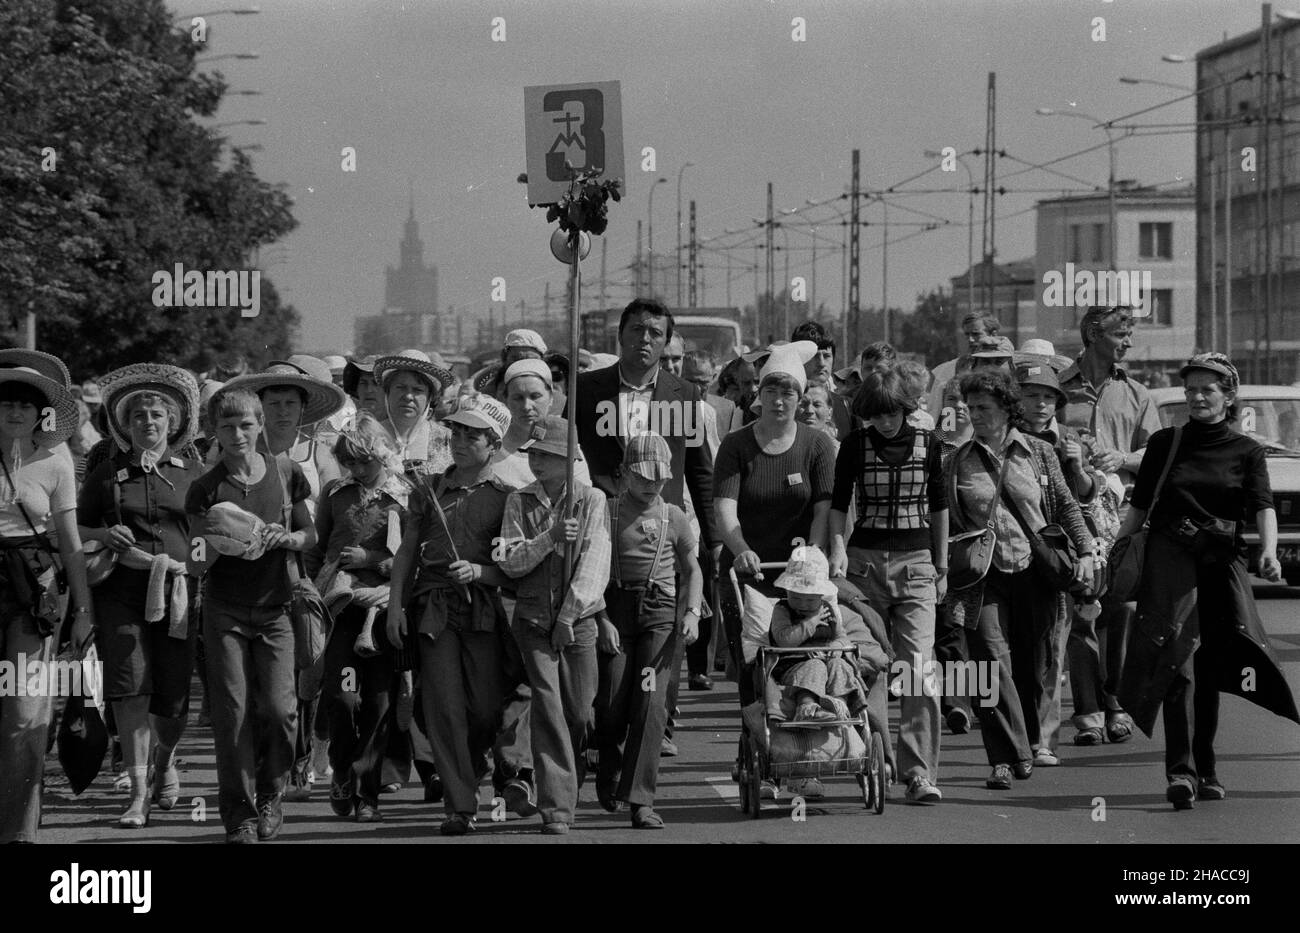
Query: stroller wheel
(875, 776)
(741, 775)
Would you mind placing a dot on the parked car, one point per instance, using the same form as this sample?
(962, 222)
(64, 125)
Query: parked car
(1270, 415)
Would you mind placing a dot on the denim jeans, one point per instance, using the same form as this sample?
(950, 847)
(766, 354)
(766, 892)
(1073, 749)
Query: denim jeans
(564, 688)
(629, 717)
(24, 725)
(461, 678)
(254, 708)
(1049, 706)
(901, 586)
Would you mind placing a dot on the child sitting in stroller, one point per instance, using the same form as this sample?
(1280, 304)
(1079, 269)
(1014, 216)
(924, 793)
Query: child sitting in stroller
(826, 686)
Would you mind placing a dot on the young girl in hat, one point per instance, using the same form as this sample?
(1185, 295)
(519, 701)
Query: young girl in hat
(652, 542)
(358, 527)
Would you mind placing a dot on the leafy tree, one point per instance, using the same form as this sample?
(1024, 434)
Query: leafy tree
(930, 329)
(109, 90)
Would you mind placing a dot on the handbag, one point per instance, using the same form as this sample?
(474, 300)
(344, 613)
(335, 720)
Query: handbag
(101, 560)
(970, 554)
(307, 612)
(1054, 554)
(1129, 553)
(46, 580)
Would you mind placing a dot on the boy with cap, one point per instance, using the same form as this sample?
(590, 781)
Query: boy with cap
(640, 630)
(456, 606)
(555, 619)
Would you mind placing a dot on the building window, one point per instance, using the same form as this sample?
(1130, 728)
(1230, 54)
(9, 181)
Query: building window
(1098, 242)
(1075, 252)
(1156, 240)
(1161, 301)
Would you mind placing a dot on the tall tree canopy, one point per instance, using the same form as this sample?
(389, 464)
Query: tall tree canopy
(106, 178)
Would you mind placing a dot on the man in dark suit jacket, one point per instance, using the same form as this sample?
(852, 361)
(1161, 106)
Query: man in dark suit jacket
(614, 401)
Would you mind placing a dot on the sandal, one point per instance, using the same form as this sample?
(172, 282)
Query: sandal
(1119, 729)
(646, 818)
(1090, 736)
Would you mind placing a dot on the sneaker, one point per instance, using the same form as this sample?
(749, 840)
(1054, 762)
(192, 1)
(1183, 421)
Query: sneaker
(520, 796)
(341, 798)
(299, 789)
(1000, 778)
(1023, 770)
(244, 834)
(270, 817)
(667, 748)
(368, 813)
(555, 829)
(921, 790)
(1046, 758)
(1181, 793)
(958, 721)
(458, 824)
(699, 682)
(1210, 789)
(808, 788)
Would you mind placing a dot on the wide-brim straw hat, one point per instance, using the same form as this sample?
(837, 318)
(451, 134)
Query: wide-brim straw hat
(174, 383)
(324, 398)
(416, 361)
(59, 397)
(47, 364)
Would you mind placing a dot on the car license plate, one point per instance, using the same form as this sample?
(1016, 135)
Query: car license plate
(1289, 554)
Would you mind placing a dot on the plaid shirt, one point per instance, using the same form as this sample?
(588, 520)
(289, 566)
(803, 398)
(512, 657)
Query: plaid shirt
(531, 557)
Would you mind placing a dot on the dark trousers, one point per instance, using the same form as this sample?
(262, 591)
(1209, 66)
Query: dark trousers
(1030, 641)
(356, 700)
(630, 701)
(1002, 725)
(697, 653)
(949, 651)
(512, 752)
(460, 674)
(1096, 654)
(1191, 712)
(254, 709)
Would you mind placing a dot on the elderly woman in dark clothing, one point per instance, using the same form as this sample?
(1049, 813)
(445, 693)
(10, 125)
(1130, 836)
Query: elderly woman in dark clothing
(1197, 629)
(1009, 613)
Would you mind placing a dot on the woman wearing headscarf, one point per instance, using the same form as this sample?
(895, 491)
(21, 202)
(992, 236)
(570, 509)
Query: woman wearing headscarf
(296, 395)
(37, 497)
(1197, 628)
(132, 509)
(528, 391)
(772, 483)
(411, 382)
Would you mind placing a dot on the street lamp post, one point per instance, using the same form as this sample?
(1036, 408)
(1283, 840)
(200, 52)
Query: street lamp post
(242, 11)
(679, 231)
(245, 56)
(650, 231)
(1110, 182)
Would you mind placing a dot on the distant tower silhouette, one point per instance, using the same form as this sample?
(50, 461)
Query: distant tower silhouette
(412, 287)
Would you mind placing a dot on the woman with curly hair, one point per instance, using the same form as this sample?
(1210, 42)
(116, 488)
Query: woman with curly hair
(1009, 613)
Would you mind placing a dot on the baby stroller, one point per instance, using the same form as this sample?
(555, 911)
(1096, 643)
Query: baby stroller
(773, 749)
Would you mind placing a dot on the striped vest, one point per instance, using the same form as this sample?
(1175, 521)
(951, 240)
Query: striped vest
(892, 496)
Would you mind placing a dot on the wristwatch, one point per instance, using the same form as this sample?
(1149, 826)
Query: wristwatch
(691, 610)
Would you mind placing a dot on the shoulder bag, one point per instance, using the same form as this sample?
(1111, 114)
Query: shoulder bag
(43, 580)
(970, 554)
(1054, 554)
(1129, 554)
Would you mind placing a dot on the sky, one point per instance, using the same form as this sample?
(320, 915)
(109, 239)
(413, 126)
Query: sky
(434, 109)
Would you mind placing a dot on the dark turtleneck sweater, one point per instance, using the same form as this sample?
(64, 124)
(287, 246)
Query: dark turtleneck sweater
(1216, 473)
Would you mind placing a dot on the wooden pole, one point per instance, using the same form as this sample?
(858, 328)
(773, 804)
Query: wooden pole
(575, 283)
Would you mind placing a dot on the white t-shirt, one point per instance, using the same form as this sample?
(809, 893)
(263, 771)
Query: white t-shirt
(45, 485)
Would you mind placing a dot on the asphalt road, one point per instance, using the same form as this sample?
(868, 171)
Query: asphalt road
(1110, 794)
